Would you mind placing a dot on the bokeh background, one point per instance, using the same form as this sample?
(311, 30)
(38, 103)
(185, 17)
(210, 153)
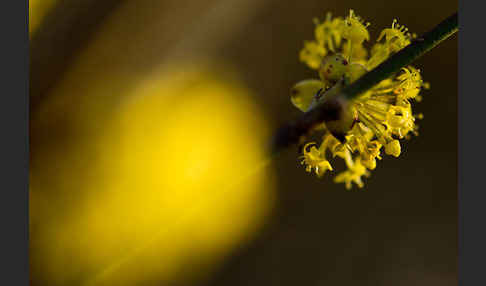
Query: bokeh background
(147, 126)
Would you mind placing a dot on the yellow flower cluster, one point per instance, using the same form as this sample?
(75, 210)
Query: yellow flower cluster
(377, 118)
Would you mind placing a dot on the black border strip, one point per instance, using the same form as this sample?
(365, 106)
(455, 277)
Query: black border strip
(14, 159)
(471, 110)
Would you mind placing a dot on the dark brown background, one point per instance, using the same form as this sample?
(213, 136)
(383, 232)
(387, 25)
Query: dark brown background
(401, 230)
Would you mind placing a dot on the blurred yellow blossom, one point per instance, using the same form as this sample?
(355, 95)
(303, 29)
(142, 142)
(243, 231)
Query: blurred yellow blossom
(169, 178)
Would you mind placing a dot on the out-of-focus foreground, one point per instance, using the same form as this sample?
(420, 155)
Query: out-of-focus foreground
(149, 122)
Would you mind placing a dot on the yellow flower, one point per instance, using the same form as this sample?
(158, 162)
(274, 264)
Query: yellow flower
(353, 175)
(360, 140)
(400, 120)
(315, 160)
(354, 30)
(312, 54)
(395, 38)
(410, 84)
(376, 119)
(328, 33)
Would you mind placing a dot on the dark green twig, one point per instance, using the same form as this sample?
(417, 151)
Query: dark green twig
(331, 109)
(406, 56)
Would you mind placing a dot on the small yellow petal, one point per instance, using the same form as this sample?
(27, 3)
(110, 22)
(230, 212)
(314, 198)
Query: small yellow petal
(312, 54)
(393, 148)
